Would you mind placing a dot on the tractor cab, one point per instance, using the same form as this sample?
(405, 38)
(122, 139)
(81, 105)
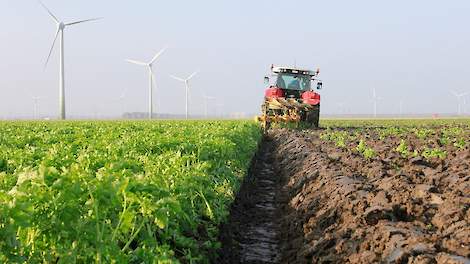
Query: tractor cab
(293, 81)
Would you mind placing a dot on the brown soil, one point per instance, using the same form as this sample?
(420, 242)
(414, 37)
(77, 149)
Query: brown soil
(308, 201)
(251, 235)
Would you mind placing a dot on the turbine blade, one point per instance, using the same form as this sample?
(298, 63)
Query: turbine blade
(177, 78)
(83, 21)
(157, 55)
(192, 75)
(137, 62)
(52, 47)
(50, 13)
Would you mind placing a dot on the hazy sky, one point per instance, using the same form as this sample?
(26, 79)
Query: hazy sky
(415, 51)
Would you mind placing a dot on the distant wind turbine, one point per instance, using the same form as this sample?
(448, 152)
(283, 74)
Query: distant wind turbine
(121, 101)
(151, 77)
(60, 31)
(375, 100)
(220, 109)
(206, 104)
(186, 82)
(36, 105)
(35, 102)
(461, 97)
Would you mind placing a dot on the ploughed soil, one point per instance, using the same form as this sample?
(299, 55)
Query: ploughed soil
(308, 201)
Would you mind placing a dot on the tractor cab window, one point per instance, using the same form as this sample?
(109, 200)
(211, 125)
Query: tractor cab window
(293, 82)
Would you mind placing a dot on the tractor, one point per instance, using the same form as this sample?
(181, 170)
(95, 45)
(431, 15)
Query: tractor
(290, 98)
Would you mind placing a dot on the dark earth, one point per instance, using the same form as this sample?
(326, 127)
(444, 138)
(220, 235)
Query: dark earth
(307, 201)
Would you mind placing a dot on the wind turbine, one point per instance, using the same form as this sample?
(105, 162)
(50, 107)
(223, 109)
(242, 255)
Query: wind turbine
(459, 97)
(121, 101)
(186, 83)
(206, 102)
(60, 32)
(219, 109)
(36, 105)
(151, 77)
(375, 99)
(35, 102)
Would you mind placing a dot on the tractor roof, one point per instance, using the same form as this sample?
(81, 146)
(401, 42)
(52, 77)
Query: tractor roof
(293, 70)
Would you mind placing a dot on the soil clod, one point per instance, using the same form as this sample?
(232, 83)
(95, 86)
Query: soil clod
(308, 201)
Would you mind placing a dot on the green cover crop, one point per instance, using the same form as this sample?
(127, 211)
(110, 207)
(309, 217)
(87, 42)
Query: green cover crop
(118, 192)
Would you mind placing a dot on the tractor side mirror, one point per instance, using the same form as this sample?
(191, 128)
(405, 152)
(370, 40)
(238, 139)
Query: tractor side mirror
(266, 80)
(319, 85)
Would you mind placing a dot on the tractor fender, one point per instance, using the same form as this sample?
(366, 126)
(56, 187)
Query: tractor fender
(274, 92)
(311, 98)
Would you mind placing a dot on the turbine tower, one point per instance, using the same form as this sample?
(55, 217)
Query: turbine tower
(461, 96)
(121, 100)
(60, 32)
(220, 109)
(36, 100)
(206, 104)
(375, 100)
(186, 83)
(151, 77)
(36, 105)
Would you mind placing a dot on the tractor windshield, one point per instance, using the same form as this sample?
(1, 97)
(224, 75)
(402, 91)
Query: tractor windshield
(293, 81)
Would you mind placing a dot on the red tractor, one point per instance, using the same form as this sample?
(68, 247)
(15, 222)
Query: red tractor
(290, 98)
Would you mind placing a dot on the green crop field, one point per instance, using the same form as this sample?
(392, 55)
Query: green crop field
(122, 192)
(420, 137)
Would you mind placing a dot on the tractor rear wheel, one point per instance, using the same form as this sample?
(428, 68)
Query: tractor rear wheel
(313, 116)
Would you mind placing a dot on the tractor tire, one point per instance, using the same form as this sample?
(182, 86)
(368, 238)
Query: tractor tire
(313, 117)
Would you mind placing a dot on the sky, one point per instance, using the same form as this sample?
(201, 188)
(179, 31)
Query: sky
(415, 52)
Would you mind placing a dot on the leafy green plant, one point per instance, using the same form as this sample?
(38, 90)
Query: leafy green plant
(361, 147)
(434, 153)
(369, 153)
(460, 143)
(118, 192)
(422, 133)
(338, 137)
(403, 149)
(366, 151)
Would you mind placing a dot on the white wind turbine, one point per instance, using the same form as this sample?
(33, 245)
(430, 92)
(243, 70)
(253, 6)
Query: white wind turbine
(60, 31)
(121, 100)
(375, 100)
(220, 109)
(151, 77)
(186, 83)
(206, 104)
(35, 102)
(36, 105)
(461, 97)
